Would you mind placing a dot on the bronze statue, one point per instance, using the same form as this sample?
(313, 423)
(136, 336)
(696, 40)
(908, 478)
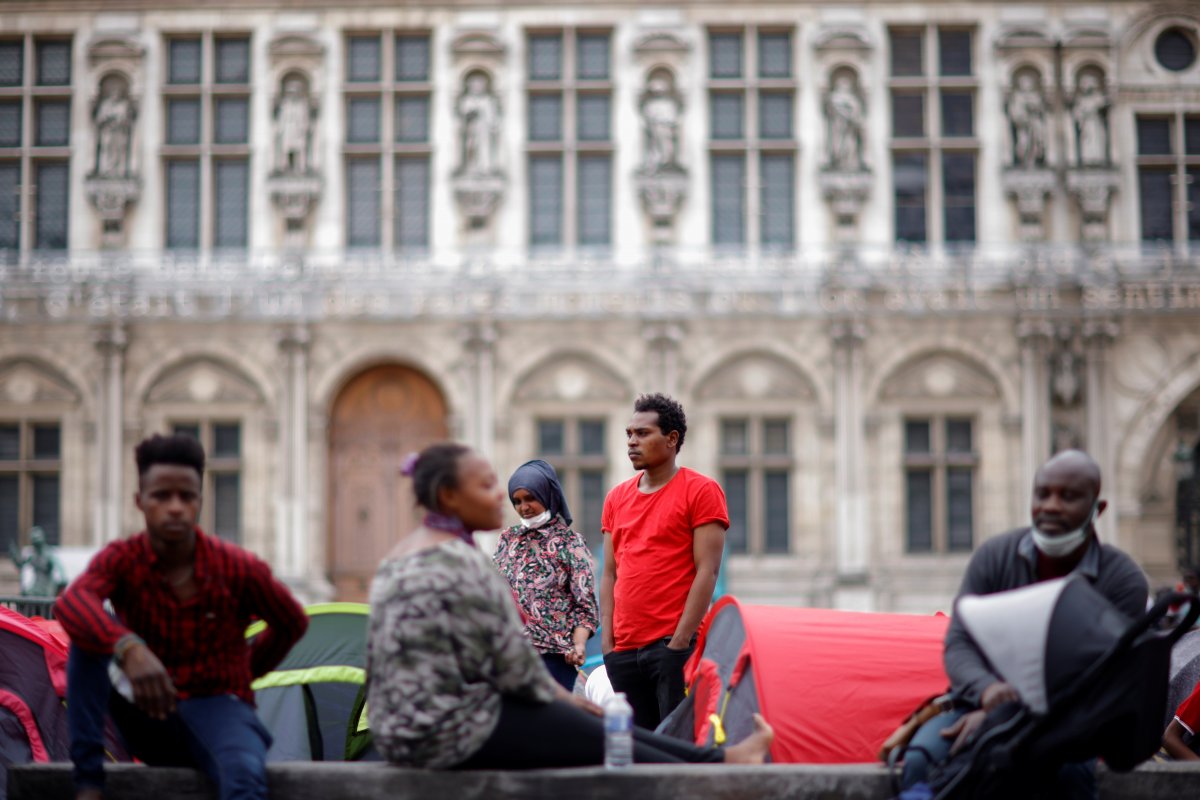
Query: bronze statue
(45, 576)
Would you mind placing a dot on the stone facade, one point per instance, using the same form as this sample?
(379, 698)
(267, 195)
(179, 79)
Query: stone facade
(1058, 324)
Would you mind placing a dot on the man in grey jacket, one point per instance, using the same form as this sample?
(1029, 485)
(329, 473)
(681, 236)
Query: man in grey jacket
(1062, 539)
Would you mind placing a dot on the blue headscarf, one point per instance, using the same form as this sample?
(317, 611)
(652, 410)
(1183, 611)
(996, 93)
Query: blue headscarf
(539, 479)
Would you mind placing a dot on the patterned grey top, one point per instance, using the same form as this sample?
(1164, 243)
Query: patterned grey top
(444, 642)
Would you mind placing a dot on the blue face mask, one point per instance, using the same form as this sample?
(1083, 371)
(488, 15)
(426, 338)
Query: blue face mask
(1063, 544)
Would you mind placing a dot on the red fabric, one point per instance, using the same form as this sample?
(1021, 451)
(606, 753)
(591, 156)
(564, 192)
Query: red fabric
(49, 635)
(201, 641)
(707, 700)
(18, 707)
(835, 684)
(652, 547)
(1188, 712)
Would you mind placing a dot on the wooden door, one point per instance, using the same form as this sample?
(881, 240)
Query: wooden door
(380, 417)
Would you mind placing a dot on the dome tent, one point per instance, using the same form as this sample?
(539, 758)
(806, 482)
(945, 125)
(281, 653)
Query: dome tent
(313, 703)
(833, 684)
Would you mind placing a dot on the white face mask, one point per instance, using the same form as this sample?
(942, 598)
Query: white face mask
(536, 522)
(1063, 544)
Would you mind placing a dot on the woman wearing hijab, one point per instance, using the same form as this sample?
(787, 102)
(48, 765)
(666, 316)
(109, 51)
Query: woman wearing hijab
(550, 571)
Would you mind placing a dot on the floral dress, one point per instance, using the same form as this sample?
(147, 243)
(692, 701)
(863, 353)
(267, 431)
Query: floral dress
(444, 643)
(550, 571)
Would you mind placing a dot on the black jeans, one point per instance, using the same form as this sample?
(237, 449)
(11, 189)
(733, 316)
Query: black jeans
(651, 678)
(560, 670)
(558, 734)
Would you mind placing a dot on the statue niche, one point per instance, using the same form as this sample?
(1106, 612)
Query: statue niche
(294, 183)
(113, 184)
(845, 179)
(1028, 178)
(662, 180)
(478, 180)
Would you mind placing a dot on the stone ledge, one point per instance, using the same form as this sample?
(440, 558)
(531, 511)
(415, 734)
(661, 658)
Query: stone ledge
(339, 781)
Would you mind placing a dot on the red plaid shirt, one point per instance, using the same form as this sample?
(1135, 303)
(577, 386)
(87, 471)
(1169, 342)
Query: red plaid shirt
(201, 641)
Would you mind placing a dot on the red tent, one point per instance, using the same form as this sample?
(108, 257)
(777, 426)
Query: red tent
(833, 684)
(33, 683)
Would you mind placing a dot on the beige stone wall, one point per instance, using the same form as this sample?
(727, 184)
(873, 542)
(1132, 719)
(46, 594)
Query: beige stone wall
(500, 370)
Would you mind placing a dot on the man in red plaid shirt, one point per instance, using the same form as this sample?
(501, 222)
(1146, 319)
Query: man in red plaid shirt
(182, 600)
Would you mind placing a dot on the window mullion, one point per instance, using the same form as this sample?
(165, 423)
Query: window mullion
(25, 181)
(387, 141)
(1180, 195)
(570, 171)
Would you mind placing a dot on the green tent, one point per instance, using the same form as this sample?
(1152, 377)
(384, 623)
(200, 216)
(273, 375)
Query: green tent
(314, 702)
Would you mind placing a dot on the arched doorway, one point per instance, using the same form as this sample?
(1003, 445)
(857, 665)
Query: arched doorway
(380, 416)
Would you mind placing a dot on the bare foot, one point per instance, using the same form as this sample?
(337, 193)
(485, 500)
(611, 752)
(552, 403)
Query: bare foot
(755, 747)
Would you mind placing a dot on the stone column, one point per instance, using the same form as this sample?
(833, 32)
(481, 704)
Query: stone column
(293, 543)
(480, 342)
(853, 541)
(1098, 336)
(662, 361)
(110, 342)
(1036, 337)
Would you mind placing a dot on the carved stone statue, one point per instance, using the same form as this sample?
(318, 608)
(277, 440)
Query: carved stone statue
(113, 116)
(660, 107)
(845, 114)
(1090, 113)
(293, 127)
(1027, 118)
(42, 574)
(479, 114)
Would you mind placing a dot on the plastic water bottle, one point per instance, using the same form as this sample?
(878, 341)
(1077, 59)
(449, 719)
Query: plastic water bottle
(618, 732)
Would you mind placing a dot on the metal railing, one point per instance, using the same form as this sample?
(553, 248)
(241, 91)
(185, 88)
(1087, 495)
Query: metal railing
(29, 606)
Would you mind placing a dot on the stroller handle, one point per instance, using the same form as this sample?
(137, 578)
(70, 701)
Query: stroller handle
(1158, 611)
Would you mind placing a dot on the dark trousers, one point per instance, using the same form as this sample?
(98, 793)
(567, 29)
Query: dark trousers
(1076, 781)
(560, 670)
(220, 735)
(558, 734)
(651, 678)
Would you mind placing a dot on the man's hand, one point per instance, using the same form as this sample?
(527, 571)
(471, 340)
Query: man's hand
(153, 691)
(963, 730)
(997, 694)
(607, 644)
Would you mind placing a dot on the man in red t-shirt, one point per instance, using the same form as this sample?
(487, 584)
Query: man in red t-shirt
(664, 531)
(1186, 721)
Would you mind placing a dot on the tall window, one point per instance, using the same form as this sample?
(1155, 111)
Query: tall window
(570, 147)
(1169, 177)
(939, 470)
(388, 139)
(221, 512)
(933, 134)
(752, 139)
(30, 466)
(576, 449)
(206, 148)
(35, 142)
(756, 468)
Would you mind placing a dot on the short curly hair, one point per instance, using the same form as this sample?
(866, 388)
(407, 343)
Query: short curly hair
(178, 449)
(670, 414)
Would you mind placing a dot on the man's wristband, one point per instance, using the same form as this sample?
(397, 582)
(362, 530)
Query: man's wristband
(121, 648)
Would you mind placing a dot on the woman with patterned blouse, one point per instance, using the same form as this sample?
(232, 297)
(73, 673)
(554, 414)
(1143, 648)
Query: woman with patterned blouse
(451, 678)
(550, 571)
